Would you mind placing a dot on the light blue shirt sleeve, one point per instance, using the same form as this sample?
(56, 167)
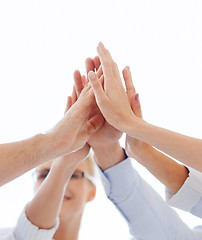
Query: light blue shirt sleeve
(189, 197)
(147, 215)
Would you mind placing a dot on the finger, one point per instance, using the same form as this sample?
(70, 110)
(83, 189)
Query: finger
(69, 104)
(129, 83)
(78, 82)
(109, 67)
(97, 62)
(98, 66)
(98, 90)
(105, 61)
(84, 80)
(102, 80)
(89, 65)
(85, 90)
(128, 79)
(136, 107)
(99, 72)
(95, 123)
(74, 95)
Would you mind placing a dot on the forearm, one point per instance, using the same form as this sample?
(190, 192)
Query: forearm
(170, 173)
(186, 149)
(45, 207)
(145, 212)
(108, 155)
(18, 157)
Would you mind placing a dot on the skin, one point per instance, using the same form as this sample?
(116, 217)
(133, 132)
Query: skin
(107, 137)
(115, 107)
(169, 172)
(70, 134)
(57, 195)
(62, 197)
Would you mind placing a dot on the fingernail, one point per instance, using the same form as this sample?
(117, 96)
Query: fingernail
(91, 75)
(137, 98)
(101, 44)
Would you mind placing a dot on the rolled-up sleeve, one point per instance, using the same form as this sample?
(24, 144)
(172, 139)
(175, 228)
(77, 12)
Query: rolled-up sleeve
(25, 230)
(189, 197)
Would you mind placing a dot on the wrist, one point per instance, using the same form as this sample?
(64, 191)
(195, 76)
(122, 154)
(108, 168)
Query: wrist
(135, 126)
(105, 147)
(58, 146)
(61, 171)
(109, 155)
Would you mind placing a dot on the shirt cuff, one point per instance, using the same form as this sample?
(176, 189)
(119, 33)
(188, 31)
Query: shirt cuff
(25, 230)
(122, 171)
(189, 194)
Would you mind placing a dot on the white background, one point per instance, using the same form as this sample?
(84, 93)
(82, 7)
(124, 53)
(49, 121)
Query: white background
(43, 42)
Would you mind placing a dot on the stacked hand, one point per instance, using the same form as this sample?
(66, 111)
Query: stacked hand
(76, 127)
(111, 99)
(73, 159)
(107, 134)
(111, 109)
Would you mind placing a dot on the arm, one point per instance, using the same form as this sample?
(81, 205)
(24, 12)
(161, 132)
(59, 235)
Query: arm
(44, 209)
(39, 220)
(190, 192)
(165, 169)
(19, 157)
(70, 134)
(146, 213)
(131, 195)
(104, 141)
(115, 107)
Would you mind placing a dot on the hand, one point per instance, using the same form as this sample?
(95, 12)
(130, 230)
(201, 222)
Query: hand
(107, 134)
(72, 159)
(112, 100)
(133, 147)
(76, 127)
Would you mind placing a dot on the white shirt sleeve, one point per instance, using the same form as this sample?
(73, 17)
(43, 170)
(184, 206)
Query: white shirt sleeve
(25, 230)
(189, 197)
(147, 215)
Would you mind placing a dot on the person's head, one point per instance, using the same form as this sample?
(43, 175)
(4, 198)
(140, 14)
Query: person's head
(79, 190)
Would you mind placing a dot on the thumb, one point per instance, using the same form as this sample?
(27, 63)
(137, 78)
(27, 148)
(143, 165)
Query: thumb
(95, 123)
(135, 105)
(69, 104)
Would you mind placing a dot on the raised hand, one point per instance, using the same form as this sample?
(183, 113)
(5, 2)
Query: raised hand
(112, 99)
(75, 129)
(72, 159)
(133, 146)
(107, 134)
